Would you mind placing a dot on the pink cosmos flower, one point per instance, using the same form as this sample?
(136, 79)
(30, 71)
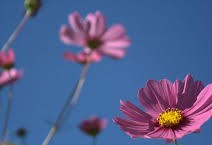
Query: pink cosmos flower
(93, 35)
(7, 59)
(172, 109)
(93, 126)
(82, 57)
(9, 76)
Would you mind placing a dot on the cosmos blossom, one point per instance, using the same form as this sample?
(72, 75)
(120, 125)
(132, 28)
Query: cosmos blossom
(172, 110)
(82, 57)
(7, 59)
(10, 76)
(93, 35)
(93, 126)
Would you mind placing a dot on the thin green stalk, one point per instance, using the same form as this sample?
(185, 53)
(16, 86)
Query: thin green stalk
(15, 32)
(175, 142)
(68, 106)
(7, 115)
(94, 140)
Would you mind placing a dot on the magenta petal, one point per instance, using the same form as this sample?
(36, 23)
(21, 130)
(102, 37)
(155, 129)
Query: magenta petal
(167, 89)
(134, 112)
(10, 76)
(162, 133)
(189, 93)
(67, 35)
(76, 22)
(97, 24)
(200, 112)
(152, 98)
(82, 57)
(7, 58)
(133, 128)
(118, 43)
(113, 52)
(203, 104)
(114, 32)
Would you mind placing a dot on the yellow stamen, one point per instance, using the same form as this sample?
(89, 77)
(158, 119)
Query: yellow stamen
(170, 117)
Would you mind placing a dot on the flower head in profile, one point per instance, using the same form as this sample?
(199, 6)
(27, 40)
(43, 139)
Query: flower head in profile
(172, 110)
(93, 126)
(82, 57)
(9, 76)
(93, 35)
(7, 59)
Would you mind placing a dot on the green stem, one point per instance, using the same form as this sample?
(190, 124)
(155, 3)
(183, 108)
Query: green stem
(175, 142)
(15, 32)
(68, 106)
(94, 140)
(7, 115)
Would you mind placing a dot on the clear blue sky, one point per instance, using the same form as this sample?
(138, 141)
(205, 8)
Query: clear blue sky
(170, 38)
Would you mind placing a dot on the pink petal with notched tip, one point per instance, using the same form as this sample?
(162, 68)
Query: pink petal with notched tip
(151, 100)
(68, 36)
(201, 111)
(133, 128)
(188, 95)
(117, 43)
(134, 112)
(97, 24)
(76, 22)
(113, 52)
(114, 32)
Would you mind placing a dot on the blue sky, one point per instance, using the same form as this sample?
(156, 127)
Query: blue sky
(169, 40)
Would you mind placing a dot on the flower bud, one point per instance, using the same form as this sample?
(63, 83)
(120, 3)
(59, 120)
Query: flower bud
(32, 6)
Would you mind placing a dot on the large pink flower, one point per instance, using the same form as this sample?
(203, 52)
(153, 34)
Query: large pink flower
(9, 76)
(93, 126)
(172, 109)
(7, 59)
(93, 35)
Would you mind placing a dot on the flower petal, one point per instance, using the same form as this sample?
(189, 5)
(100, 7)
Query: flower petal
(10, 76)
(162, 133)
(134, 112)
(118, 43)
(154, 97)
(97, 24)
(188, 96)
(133, 128)
(114, 32)
(68, 36)
(76, 22)
(113, 52)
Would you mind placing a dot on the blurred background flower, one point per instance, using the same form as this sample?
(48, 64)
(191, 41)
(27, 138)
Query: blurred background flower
(93, 126)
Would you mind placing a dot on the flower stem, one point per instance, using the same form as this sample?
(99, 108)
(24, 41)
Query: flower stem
(175, 142)
(15, 32)
(7, 114)
(94, 140)
(68, 106)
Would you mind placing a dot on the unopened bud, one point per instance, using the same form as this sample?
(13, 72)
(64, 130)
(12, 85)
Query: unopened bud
(32, 6)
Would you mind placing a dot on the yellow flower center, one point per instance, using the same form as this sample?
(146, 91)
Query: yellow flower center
(169, 118)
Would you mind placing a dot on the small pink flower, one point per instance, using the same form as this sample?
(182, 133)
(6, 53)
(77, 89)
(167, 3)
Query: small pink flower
(7, 59)
(10, 76)
(172, 109)
(93, 126)
(93, 35)
(82, 57)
